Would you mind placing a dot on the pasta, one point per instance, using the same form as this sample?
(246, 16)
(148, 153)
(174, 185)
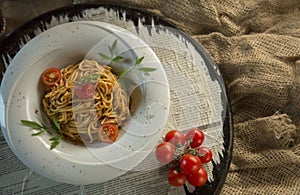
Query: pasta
(87, 96)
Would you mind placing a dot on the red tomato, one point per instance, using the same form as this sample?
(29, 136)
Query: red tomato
(199, 178)
(177, 138)
(51, 76)
(85, 91)
(108, 133)
(190, 164)
(204, 154)
(176, 178)
(195, 137)
(165, 152)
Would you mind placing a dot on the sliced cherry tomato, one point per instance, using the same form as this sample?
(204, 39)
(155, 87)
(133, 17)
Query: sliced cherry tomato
(176, 178)
(165, 152)
(190, 164)
(177, 138)
(204, 154)
(199, 178)
(85, 91)
(108, 133)
(195, 137)
(51, 76)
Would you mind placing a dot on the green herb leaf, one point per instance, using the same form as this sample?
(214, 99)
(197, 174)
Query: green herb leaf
(38, 133)
(54, 141)
(53, 127)
(104, 57)
(114, 45)
(32, 124)
(146, 73)
(138, 71)
(56, 124)
(123, 72)
(146, 70)
(139, 60)
(110, 50)
(42, 128)
(54, 138)
(117, 58)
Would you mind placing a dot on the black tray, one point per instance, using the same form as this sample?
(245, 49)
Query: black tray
(10, 46)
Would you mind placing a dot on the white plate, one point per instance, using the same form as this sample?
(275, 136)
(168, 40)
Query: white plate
(21, 96)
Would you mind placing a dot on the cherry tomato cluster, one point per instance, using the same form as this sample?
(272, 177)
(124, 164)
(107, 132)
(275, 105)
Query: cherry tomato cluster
(185, 155)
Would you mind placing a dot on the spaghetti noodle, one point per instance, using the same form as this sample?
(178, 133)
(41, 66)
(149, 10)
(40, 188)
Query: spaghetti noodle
(87, 97)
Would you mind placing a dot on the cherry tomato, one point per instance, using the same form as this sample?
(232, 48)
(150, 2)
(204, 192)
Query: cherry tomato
(199, 178)
(176, 178)
(85, 91)
(177, 138)
(51, 76)
(190, 164)
(204, 154)
(165, 152)
(108, 133)
(195, 137)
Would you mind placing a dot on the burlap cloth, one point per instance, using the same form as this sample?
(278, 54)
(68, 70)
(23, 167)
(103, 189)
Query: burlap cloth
(256, 45)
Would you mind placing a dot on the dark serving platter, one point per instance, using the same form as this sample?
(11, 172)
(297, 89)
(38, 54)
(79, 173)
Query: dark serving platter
(13, 42)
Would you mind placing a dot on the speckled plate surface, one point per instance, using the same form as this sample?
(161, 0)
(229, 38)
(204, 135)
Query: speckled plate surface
(152, 28)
